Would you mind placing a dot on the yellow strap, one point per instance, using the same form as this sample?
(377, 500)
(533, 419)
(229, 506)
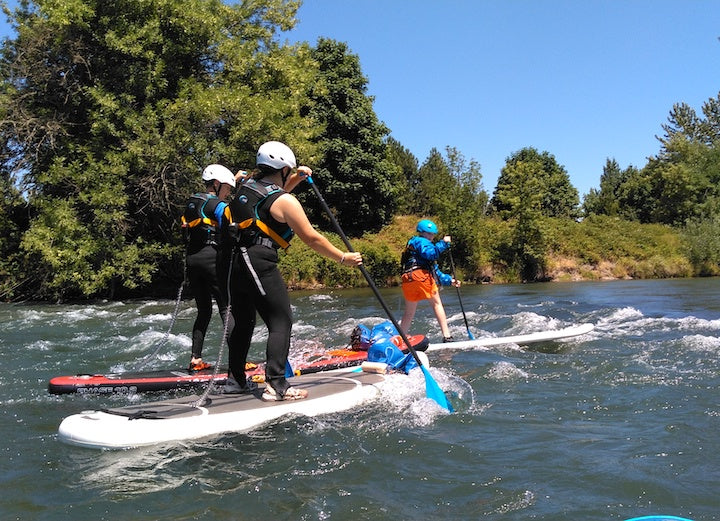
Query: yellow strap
(272, 234)
(266, 230)
(197, 221)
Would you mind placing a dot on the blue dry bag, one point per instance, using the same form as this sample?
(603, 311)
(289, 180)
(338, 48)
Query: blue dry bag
(382, 349)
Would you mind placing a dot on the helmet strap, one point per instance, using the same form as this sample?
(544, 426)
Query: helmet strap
(284, 174)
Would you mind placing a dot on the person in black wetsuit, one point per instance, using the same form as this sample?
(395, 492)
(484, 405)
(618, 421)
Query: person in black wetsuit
(200, 220)
(261, 218)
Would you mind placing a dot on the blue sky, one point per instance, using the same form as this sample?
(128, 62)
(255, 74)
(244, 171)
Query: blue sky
(584, 80)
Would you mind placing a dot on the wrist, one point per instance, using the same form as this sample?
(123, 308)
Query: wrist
(342, 259)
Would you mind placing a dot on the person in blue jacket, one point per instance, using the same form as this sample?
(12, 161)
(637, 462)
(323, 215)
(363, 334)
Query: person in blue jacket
(421, 275)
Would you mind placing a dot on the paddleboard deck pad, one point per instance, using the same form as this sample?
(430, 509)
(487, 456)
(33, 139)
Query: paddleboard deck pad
(166, 380)
(527, 339)
(181, 419)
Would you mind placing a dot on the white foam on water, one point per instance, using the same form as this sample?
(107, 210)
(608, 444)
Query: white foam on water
(301, 349)
(506, 371)
(693, 323)
(541, 304)
(406, 396)
(524, 500)
(458, 317)
(529, 322)
(303, 329)
(163, 318)
(188, 312)
(64, 317)
(321, 297)
(41, 345)
(701, 343)
(621, 315)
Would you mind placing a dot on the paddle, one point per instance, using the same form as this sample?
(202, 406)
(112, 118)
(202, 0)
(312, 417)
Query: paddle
(432, 389)
(452, 265)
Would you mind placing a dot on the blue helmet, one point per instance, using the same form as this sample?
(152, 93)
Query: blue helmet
(426, 225)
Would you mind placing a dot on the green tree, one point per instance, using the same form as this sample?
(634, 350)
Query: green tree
(355, 176)
(465, 218)
(702, 237)
(447, 185)
(558, 197)
(468, 189)
(684, 122)
(408, 178)
(682, 183)
(433, 193)
(13, 215)
(606, 201)
(449, 188)
(112, 109)
(523, 205)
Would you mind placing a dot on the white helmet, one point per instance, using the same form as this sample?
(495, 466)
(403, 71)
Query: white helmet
(275, 155)
(220, 173)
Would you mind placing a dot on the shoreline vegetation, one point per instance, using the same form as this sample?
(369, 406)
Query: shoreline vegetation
(595, 249)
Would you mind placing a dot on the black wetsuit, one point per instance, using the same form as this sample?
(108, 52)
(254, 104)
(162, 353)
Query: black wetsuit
(200, 259)
(256, 285)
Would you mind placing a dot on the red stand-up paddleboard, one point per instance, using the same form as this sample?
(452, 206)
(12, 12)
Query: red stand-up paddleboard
(164, 380)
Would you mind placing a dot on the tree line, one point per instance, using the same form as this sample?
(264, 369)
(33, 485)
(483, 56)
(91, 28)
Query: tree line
(110, 111)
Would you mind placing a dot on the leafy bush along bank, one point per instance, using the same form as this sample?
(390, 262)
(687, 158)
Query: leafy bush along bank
(598, 248)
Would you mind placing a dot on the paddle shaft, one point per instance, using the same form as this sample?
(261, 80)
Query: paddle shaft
(462, 308)
(365, 273)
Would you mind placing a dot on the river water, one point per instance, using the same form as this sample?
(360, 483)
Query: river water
(619, 423)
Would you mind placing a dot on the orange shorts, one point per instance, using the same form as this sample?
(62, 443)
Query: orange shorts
(418, 285)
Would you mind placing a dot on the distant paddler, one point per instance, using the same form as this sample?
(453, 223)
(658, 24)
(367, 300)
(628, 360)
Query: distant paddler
(421, 275)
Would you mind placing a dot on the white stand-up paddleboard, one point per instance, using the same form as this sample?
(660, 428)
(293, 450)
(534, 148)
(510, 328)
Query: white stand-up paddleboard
(531, 338)
(179, 419)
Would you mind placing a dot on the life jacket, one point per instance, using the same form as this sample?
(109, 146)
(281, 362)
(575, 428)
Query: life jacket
(411, 260)
(249, 212)
(198, 222)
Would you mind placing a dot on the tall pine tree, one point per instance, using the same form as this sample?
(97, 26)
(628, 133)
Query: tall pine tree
(354, 174)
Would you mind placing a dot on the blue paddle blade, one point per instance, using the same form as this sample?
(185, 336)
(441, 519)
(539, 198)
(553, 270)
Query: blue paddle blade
(433, 391)
(289, 373)
(470, 335)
